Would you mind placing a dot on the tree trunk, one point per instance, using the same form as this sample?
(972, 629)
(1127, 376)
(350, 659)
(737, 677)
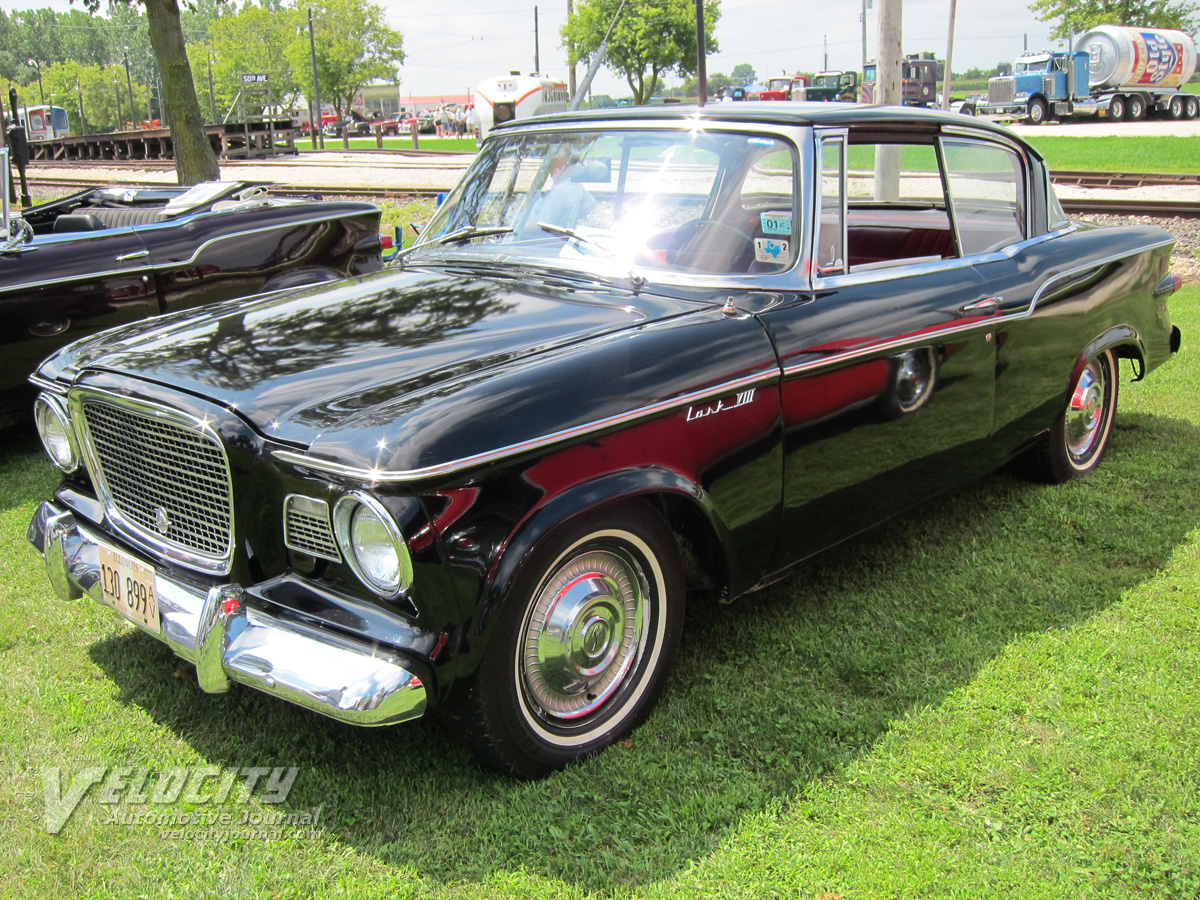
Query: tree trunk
(194, 157)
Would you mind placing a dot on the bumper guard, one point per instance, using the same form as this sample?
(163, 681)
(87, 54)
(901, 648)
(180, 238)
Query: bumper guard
(228, 641)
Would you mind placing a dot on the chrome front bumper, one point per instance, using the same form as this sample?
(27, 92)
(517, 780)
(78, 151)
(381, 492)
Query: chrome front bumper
(228, 641)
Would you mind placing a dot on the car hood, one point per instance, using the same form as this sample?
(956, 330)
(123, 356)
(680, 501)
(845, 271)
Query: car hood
(301, 363)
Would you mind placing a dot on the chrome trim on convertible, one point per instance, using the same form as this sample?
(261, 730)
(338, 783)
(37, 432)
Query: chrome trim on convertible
(388, 476)
(347, 680)
(175, 263)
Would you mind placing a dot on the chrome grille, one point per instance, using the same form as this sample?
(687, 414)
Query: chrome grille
(1002, 89)
(166, 478)
(306, 527)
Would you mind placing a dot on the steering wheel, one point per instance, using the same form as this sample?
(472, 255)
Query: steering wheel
(710, 245)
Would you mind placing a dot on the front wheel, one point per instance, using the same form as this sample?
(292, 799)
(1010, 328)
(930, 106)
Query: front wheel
(1038, 111)
(581, 647)
(1076, 443)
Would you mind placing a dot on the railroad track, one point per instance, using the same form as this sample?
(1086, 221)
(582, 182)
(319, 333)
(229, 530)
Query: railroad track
(1085, 205)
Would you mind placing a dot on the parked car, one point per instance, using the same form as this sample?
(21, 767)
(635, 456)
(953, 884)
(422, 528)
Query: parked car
(635, 356)
(326, 119)
(425, 122)
(110, 255)
(401, 125)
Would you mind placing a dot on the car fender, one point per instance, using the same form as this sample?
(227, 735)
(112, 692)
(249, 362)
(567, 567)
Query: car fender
(1124, 341)
(580, 500)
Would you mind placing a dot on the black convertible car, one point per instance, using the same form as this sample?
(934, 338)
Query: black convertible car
(106, 256)
(638, 357)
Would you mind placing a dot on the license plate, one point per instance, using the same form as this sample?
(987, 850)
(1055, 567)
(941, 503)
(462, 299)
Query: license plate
(128, 587)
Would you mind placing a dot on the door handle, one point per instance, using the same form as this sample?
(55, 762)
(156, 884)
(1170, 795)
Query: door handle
(990, 306)
(136, 254)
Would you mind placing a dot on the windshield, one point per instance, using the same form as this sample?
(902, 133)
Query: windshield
(1036, 64)
(653, 202)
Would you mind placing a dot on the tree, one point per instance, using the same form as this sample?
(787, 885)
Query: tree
(195, 160)
(253, 40)
(1077, 16)
(354, 47)
(649, 38)
(743, 74)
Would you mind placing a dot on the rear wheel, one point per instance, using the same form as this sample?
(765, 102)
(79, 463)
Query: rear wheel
(1137, 108)
(1191, 106)
(1116, 108)
(1175, 108)
(581, 647)
(1078, 440)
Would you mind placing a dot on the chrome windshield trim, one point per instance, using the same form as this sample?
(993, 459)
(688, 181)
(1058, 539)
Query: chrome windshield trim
(395, 476)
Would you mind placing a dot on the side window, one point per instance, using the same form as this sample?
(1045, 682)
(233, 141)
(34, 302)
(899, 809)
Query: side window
(767, 199)
(987, 191)
(896, 205)
(831, 233)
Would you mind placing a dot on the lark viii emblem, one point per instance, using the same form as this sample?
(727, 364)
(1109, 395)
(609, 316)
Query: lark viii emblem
(700, 412)
(162, 522)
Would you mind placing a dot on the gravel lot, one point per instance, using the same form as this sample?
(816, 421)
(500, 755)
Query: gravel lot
(1186, 259)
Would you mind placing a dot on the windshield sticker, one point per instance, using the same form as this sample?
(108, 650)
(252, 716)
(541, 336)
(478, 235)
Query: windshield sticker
(760, 142)
(770, 250)
(776, 221)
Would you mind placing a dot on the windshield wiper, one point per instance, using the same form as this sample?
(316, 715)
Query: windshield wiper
(454, 237)
(470, 233)
(574, 235)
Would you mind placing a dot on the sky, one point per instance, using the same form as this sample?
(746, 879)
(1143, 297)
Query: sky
(453, 45)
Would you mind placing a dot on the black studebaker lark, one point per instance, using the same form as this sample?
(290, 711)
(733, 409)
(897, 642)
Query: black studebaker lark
(634, 354)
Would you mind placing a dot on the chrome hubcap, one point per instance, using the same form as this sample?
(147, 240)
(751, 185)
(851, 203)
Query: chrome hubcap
(1085, 415)
(912, 380)
(583, 635)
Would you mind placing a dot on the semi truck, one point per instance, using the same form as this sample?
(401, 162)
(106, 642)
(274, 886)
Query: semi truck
(918, 84)
(834, 86)
(1121, 72)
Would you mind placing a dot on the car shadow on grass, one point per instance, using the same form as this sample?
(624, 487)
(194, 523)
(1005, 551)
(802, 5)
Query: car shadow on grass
(769, 693)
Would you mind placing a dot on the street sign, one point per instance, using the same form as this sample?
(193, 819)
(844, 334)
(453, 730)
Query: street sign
(255, 78)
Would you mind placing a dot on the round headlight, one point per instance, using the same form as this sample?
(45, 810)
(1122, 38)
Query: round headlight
(373, 544)
(56, 433)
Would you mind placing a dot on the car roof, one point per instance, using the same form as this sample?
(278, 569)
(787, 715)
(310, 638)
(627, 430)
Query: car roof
(781, 113)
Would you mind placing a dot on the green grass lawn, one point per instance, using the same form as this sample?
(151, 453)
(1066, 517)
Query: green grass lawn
(994, 696)
(1118, 153)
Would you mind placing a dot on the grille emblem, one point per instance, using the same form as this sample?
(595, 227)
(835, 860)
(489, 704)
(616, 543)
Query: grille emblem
(162, 523)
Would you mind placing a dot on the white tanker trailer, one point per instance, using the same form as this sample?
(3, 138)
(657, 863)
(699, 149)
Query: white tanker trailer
(1125, 73)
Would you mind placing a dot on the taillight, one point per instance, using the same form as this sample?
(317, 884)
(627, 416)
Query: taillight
(386, 242)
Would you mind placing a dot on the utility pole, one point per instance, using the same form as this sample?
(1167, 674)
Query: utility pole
(82, 114)
(825, 56)
(537, 56)
(888, 93)
(129, 84)
(864, 36)
(949, 52)
(570, 54)
(701, 53)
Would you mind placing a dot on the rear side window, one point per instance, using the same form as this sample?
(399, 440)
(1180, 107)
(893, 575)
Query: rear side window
(987, 192)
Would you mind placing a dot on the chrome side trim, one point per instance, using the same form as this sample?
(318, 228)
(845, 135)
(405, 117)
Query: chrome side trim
(1094, 264)
(336, 676)
(928, 337)
(394, 476)
(45, 384)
